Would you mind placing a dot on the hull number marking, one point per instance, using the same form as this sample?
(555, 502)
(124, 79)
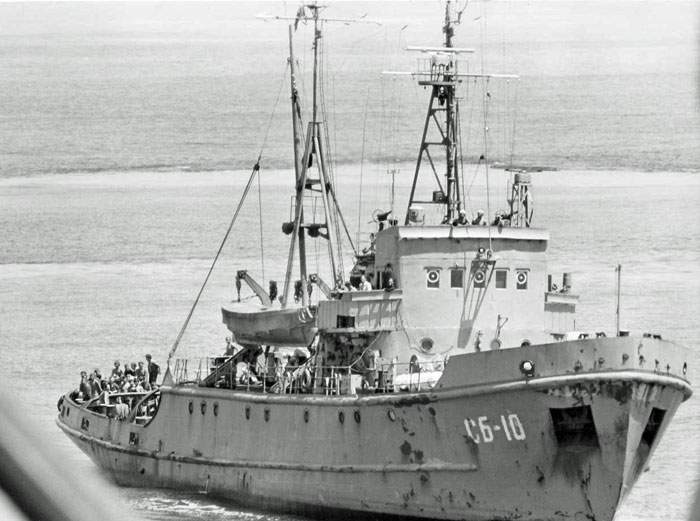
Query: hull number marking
(482, 431)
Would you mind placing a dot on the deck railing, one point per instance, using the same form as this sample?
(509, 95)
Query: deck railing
(138, 407)
(306, 378)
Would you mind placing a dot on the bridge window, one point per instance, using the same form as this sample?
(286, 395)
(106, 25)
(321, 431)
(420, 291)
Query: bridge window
(432, 277)
(521, 277)
(456, 278)
(501, 279)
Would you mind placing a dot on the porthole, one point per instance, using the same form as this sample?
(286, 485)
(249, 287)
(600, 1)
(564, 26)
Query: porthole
(527, 367)
(426, 343)
(216, 408)
(190, 407)
(247, 413)
(68, 410)
(203, 407)
(267, 415)
(391, 414)
(306, 416)
(357, 416)
(341, 417)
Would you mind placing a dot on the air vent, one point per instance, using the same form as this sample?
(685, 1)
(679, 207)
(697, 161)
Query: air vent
(574, 427)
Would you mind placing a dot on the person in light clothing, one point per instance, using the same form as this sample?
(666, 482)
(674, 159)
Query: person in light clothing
(365, 285)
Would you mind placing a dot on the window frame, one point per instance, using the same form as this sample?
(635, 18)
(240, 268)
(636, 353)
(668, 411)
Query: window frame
(461, 271)
(497, 271)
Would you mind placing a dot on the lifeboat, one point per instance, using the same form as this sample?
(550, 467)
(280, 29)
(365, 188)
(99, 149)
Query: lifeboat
(256, 323)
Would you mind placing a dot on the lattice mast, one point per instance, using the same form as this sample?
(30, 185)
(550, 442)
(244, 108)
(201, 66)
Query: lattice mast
(443, 112)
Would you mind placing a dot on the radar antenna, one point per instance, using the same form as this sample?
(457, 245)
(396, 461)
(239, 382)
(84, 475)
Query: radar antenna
(442, 80)
(439, 71)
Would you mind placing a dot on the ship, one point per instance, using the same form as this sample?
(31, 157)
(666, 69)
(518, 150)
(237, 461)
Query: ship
(442, 377)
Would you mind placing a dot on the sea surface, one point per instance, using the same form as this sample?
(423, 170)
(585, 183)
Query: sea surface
(128, 131)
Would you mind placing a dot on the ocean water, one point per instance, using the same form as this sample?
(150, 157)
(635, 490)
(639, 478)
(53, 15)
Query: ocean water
(129, 130)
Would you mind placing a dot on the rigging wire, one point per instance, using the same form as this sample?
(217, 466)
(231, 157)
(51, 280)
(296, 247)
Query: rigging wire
(264, 143)
(262, 241)
(329, 159)
(324, 113)
(485, 101)
(478, 163)
(515, 117)
(461, 158)
(362, 165)
(175, 345)
(381, 150)
(255, 170)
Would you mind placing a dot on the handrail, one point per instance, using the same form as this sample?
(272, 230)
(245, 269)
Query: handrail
(137, 405)
(307, 378)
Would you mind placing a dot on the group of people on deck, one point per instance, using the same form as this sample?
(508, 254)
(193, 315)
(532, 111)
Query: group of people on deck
(500, 219)
(131, 377)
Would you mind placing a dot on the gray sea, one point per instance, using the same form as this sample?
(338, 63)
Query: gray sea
(128, 130)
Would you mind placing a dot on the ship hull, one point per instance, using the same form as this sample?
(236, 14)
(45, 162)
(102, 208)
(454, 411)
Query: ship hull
(488, 450)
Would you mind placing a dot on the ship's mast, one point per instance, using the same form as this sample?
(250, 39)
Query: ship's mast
(307, 185)
(442, 78)
(453, 202)
(298, 170)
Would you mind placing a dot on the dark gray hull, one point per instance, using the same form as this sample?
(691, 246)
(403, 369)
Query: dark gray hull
(470, 449)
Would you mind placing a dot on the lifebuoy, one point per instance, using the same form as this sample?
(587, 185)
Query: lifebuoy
(479, 277)
(522, 277)
(433, 276)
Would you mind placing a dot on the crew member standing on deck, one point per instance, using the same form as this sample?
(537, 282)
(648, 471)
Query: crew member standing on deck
(85, 387)
(365, 285)
(153, 370)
